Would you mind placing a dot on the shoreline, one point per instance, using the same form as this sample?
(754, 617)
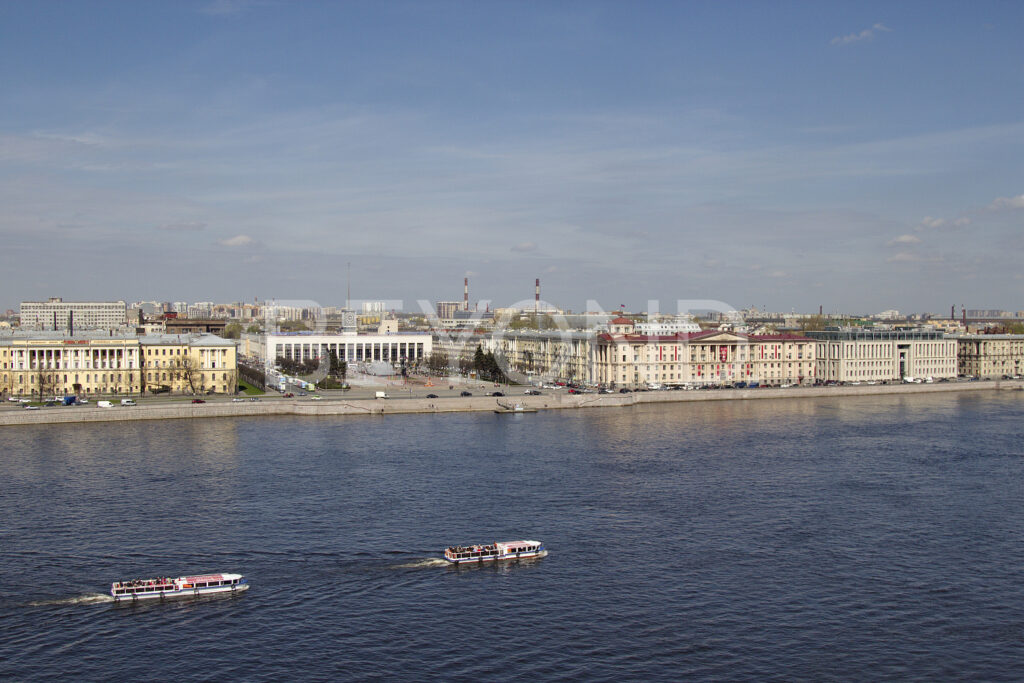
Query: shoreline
(394, 406)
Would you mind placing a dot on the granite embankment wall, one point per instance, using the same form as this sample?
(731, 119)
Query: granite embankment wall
(341, 406)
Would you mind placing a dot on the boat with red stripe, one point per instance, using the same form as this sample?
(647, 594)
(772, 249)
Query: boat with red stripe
(494, 552)
(180, 587)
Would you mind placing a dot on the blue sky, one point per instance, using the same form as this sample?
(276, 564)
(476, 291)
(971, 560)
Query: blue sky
(859, 156)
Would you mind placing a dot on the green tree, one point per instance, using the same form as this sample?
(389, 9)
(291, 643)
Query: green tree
(232, 331)
(339, 368)
(253, 329)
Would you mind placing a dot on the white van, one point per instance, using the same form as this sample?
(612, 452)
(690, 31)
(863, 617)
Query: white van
(104, 404)
(382, 394)
(127, 402)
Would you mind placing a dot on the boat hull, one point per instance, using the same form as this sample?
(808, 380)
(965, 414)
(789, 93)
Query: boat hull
(497, 558)
(183, 593)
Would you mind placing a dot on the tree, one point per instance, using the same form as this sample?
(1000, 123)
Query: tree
(233, 331)
(339, 368)
(188, 370)
(437, 362)
(47, 383)
(814, 323)
(253, 329)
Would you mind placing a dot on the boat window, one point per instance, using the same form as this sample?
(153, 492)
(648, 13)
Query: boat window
(200, 585)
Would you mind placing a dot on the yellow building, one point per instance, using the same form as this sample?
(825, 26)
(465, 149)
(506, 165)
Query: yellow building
(189, 364)
(50, 364)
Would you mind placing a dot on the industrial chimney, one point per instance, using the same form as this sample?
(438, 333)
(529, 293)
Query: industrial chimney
(465, 294)
(536, 297)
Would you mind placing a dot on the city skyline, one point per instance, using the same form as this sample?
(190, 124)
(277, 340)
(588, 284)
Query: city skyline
(861, 158)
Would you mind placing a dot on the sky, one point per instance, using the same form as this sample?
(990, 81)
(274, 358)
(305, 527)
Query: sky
(786, 155)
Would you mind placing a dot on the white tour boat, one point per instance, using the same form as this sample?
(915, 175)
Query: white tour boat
(181, 587)
(510, 550)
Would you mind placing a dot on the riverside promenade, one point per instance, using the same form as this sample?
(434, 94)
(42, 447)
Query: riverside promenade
(223, 407)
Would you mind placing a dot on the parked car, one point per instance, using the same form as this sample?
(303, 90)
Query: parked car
(533, 392)
(431, 395)
(624, 391)
(465, 393)
(575, 391)
(254, 398)
(238, 400)
(289, 395)
(198, 400)
(497, 393)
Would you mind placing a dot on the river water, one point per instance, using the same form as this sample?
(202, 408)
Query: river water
(840, 539)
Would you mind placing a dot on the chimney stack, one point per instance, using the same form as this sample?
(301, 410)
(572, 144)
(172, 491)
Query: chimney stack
(536, 297)
(465, 294)
(71, 323)
(952, 312)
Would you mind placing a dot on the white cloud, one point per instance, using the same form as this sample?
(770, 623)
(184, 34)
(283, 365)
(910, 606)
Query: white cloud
(905, 239)
(524, 247)
(961, 222)
(866, 34)
(182, 227)
(929, 222)
(1008, 203)
(903, 257)
(236, 241)
(778, 273)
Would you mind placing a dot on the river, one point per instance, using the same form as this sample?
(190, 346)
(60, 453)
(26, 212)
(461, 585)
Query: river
(830, 539)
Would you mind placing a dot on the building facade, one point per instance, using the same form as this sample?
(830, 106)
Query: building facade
(883, 355)
(548, 354)
(351, 348)
(990, 356)
(57, 315)
(47, 364)
(627, 359)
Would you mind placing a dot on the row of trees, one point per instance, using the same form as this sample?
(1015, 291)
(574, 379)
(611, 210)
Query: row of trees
(483, 362)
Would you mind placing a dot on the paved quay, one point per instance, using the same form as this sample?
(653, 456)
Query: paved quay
(551, 400)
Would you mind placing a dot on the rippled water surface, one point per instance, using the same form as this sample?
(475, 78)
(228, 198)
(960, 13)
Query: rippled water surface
(854, 539)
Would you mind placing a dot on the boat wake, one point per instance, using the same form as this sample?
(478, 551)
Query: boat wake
(88, 599)
(422, 564)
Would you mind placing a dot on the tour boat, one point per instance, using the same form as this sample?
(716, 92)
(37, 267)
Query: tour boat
(510, 550)
(181, 587)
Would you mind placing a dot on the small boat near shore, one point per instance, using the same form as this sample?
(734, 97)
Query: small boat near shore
(517, 408)
(180, 587)
(509, 550)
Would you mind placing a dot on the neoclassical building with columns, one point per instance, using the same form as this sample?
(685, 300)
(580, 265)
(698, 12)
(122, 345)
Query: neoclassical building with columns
(51, 364)
(626, 359)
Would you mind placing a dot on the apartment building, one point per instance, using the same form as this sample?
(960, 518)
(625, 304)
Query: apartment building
(990, 355)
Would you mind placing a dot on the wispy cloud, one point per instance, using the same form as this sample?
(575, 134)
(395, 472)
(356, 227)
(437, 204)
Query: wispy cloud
(1008, 203)
(236, 241)
(929, 223)
(182, 227)
(524, 247)
(904, 239)
(867, 34)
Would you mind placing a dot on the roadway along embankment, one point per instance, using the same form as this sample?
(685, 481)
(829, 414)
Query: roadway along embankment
(554, 401)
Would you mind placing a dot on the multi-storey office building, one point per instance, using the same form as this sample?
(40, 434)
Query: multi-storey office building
(57, 314)
(881, 355)
(990, 355)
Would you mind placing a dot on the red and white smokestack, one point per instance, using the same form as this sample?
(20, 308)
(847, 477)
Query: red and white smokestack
(536, 296)
(465, 295)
